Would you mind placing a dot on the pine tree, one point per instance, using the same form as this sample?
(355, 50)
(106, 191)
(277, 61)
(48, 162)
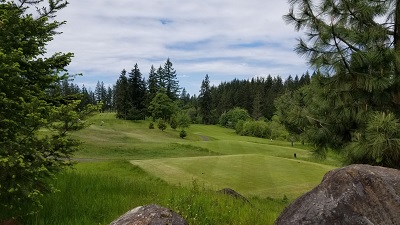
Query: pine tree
(170, 80)
(137, 94)
(355, 46)
(122, 103)
(153, 84)
(161, 80)
(205, 100)
(109, 98)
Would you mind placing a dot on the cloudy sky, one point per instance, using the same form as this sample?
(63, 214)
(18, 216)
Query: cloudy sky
(222, 38)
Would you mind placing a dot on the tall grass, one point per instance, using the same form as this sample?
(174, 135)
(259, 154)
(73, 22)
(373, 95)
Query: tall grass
(98, 193)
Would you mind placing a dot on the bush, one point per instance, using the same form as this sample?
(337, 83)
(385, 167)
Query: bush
(182, 134)
(256, 129)
(233, 116)
(151, 125)
(162, 125)
(183, 120)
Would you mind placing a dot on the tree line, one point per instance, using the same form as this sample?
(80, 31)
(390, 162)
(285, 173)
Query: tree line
(133, 97)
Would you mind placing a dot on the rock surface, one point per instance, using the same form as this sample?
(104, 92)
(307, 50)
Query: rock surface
(356, 194)
(150, 215)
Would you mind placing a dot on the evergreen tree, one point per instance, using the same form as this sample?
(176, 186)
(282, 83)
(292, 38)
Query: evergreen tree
(170, 80)
(137, 94)
(355, 46)
(100, 93)
(184, 99)
(161, 80)
(85, 98)
(28, 158)
(257, 106)
(205, 100)
(109, 99)
(153, 84)
(122, 103)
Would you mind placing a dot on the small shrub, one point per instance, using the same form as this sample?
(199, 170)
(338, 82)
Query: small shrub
(151, 125)
(183, 120)
(182, 134)
(173, 122)
(162, 125)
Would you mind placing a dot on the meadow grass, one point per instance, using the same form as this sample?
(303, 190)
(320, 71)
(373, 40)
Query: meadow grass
(181, 174)
(99, 192)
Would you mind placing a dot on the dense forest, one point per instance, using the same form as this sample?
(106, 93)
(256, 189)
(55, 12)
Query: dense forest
(132, 94)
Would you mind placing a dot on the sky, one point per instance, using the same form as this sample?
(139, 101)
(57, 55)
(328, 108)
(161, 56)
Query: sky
(225, 39)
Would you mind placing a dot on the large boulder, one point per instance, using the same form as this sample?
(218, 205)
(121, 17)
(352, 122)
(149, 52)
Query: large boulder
(356, 194)
(150, 215)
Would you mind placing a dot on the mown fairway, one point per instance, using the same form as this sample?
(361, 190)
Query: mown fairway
(213, 156)
(181, 174)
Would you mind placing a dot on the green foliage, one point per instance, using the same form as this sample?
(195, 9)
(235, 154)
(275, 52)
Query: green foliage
(171, 82)
(137, 91)
(230, 118)
(182, 134)
(151, 125)
(162, 107)
(354, 46)
(121, 97)
(380, 144)
(135, 114)
(173, 121)
(161, 124)
(256, 129)
(194, 116)
(205, 100)
(239, 126)
(271, 129)
(183, 120)
(34, 123)
(278, 130)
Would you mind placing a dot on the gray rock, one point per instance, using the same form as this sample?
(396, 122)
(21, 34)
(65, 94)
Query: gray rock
(356, 194)
(150, 215)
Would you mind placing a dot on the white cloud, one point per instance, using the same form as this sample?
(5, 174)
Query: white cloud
(223, 38)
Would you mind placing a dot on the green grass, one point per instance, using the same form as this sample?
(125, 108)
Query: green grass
(98, 193)
(249, 174)
(182, 174)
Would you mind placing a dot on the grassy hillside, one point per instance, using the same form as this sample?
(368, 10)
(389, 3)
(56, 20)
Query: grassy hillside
(182, 174)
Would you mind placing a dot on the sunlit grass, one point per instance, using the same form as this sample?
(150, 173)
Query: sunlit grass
(182, 174)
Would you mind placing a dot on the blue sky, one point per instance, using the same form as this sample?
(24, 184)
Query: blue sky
(222, 38)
